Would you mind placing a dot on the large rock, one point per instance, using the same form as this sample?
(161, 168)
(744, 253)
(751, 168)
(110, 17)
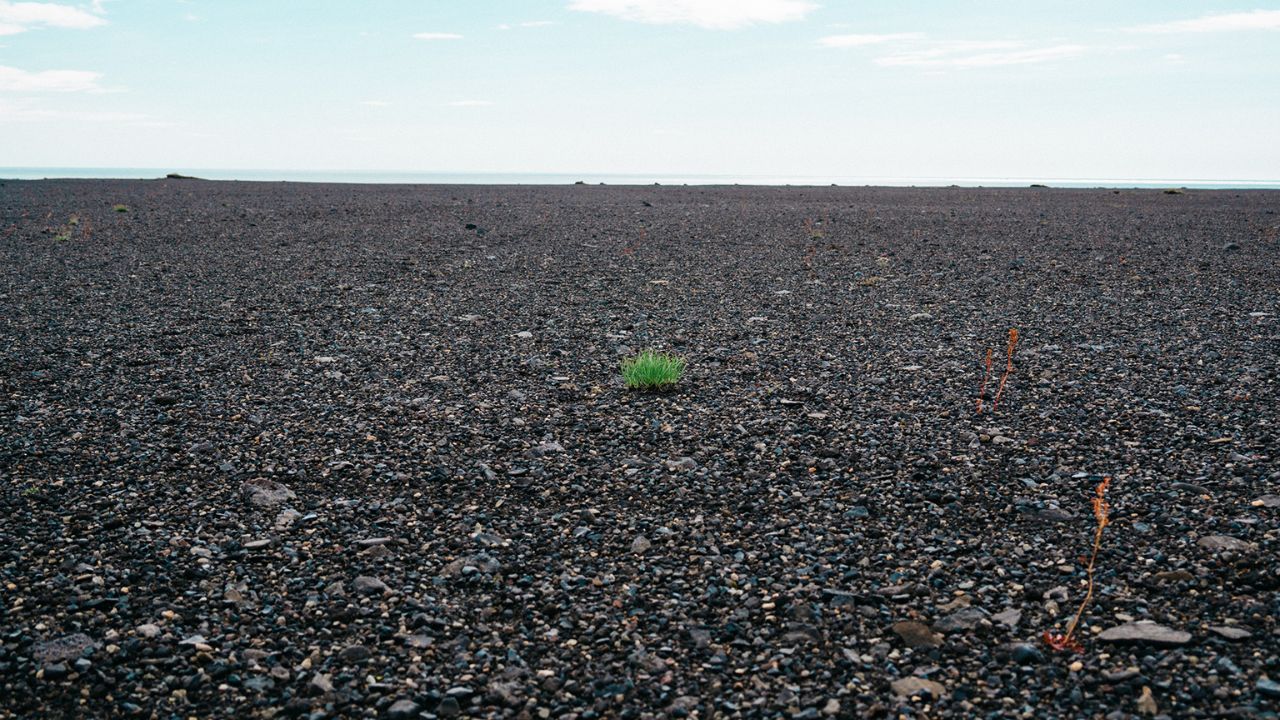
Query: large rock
(265, 493)
(1145, 632)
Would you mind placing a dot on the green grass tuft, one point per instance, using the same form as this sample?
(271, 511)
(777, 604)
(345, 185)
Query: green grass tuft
(652, 370)
(121, 208)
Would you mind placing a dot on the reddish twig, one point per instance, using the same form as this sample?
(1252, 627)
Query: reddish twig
(1008, 367)
(1102, 514)
(982, 389)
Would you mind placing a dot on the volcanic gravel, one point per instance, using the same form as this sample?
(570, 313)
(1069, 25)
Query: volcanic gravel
(278, 450)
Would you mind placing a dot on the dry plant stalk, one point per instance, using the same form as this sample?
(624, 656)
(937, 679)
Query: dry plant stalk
(982, 389)
(1008, 367)
(1102, 514)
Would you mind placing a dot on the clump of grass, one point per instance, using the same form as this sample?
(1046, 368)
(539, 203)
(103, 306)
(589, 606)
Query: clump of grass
(121, 208)
(652, 370)
(1102, 515)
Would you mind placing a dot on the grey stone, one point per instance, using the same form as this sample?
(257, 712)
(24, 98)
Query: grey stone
(403, 709)
(67, 647)
(1231, 633)
(1145, 632)
(265, 493)
(369, 585)
(1226, 543)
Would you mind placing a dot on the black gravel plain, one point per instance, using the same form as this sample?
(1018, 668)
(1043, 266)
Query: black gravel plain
(295, 450)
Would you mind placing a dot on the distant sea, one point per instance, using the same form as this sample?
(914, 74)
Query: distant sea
(391, 176)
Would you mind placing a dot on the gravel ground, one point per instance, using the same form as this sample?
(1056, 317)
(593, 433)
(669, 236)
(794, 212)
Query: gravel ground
(275, 449)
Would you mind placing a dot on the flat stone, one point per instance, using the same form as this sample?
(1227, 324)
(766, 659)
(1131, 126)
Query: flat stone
(67, 647)
(369, 584)
(965, 619)
(257, 544)
(914, 686)
(1145, 632)
(1268, 687)
(1008, 618)
(1226, 543)
(916, 635)
(1230, 633)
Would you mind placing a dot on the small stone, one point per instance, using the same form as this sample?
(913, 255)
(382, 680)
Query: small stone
(373, 542)
(257, 544)
(916, 635)
(403, 709)
(287, 518)
(681, 464)
(55, 671)
(1145, 632)
(148, 630)
(1147, 703)
(418, 642)
(640, 545)
(1267, 501)
(914, 686)
(919, 317)
(354, 653)
(1026, 654)
(449, 707)
(524, 335)
(369, 585)
(1076, 666)
(832, 707)
(1268, 687)
(320, 684)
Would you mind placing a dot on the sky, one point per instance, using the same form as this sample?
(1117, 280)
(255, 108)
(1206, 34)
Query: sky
(1166, 89)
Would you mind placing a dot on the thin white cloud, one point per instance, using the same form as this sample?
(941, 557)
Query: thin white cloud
(437, 36)
(30, 110)
(16, 17)
(860, 39)
(469, 103)
(1229, 22)
(710, 14)
(375, 103)
(980, 54)
(13, 79)
(527, 24)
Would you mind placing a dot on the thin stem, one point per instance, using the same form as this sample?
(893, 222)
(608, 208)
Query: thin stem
(982, 390)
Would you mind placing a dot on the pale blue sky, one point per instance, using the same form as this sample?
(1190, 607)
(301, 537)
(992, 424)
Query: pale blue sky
(1010, 88)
